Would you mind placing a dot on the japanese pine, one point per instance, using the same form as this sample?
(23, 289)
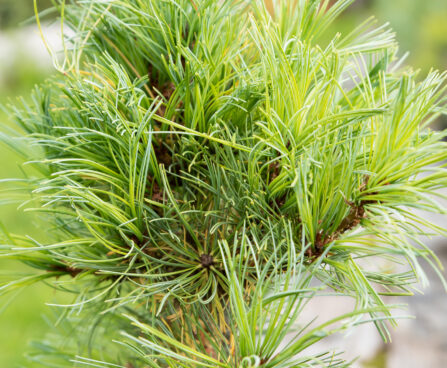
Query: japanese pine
(204, 169)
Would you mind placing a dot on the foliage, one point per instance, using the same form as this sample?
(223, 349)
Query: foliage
(207, 168)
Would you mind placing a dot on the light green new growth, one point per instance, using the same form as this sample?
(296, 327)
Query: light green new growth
(208, 167)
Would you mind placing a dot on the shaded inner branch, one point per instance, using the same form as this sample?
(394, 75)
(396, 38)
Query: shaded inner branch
(69, 270)
(355, 216)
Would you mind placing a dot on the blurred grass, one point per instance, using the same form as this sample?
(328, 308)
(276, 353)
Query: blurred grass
(13, 12)
(21, 320)
(421, 28)
(21, 315)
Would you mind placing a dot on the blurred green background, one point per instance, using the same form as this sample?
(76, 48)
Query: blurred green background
(421, 28)
(21, 315)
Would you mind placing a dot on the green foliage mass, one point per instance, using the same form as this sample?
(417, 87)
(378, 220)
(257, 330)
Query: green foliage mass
(207, 168)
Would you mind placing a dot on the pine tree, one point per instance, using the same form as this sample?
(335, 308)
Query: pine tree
(206, 168)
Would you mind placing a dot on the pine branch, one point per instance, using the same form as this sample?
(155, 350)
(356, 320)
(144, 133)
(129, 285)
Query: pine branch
(209, 167)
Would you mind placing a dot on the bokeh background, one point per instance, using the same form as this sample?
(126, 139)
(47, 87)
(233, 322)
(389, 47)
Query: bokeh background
(421, 28)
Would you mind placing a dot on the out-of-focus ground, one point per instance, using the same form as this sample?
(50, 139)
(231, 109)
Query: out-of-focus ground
(421, 28)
